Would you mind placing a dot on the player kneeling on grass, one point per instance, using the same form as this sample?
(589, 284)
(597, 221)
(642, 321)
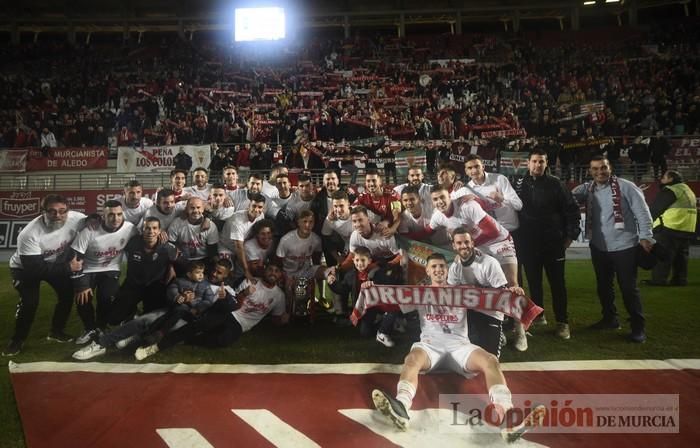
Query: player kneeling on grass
(135, 330)
(220, 327)
(444, 337)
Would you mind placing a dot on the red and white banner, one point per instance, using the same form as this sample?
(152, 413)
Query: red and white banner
(159, 158)
(93, 158)
(13, 160)
(518, 307)
(685, 150)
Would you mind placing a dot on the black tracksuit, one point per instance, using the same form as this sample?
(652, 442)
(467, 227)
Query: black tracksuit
(549, 217)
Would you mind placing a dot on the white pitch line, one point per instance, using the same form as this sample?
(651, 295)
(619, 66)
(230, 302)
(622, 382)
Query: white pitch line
(183, 438)
(342, 369)
(274, 429)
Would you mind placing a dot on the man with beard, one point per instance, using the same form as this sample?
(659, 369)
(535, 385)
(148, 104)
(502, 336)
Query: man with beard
(101, 252)
(147, 269)
(236, 230)
(220, 327)
(133, 202)
(42, 255)
(193, 241)
(415, 178)
(166, 209)
(385, 204)
(200, 189)
(322, 203)
(241, 197)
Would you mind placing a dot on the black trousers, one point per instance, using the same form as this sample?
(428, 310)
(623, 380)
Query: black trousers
(28, 290)
(485, 331)
(129, 296)
(623, 265)
(368, 327)
(106, 286)
(677, 262)
(215, 328)
(552, 262)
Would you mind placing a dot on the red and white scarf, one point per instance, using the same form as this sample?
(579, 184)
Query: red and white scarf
(617, 206)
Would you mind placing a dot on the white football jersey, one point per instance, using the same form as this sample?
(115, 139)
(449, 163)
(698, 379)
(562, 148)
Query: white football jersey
(135, 214)
(165, 220)
(484, 272)
(379, 246)
(296, 205)
(342, 227)
(296, 252)
(262, 301)
(424, 194)
(253, 251)
(36, 239)
(103, 249)
(190, 238)
(269, 191)
(235, 228)
(467, 214)
(195, 192)
(507, 212)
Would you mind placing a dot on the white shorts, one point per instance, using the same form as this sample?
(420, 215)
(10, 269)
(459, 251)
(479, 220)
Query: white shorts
(447, 352)
(502, 251)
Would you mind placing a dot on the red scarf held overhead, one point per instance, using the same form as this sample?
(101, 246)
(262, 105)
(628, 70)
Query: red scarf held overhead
(617, 206)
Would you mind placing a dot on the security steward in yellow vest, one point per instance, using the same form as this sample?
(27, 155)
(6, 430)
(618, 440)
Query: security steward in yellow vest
(675, 218)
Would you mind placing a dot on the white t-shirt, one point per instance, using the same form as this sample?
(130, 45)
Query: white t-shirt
(468, 214)
(410, 224)
(235, 228)
(190, 238)
(296, 204)
(36, 239)
(103, 249)
(484, 272)
(424, 194)
(134, 215)
(253, 251)
(276, 204)
(296, 252)
(262, 301)
(269, 191)
(379, 246)
(438, 323)
(165, 220)
(195, 192)
(507, 212)
(342, 227)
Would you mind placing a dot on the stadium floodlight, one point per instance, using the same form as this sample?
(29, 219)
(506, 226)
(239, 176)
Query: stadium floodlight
(259, 24)
(589, 3)
(612, 1)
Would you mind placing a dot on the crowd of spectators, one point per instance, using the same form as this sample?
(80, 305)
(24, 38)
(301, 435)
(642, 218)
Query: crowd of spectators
(178, 92)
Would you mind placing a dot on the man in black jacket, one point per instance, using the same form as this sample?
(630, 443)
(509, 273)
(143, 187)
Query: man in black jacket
(549, 222)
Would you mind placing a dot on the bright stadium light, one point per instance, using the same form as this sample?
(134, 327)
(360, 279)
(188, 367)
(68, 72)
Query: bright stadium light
(259, 24)
(612, 1)
(589, 3)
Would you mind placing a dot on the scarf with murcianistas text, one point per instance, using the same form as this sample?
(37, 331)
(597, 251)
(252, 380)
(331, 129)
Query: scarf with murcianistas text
(617, 206)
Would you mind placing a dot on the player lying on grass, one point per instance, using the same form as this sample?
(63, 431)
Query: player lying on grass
(444, 337)
(221, 327)
(133, 331)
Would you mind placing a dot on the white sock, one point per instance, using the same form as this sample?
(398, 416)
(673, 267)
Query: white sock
(405, 392)
(500, 394)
